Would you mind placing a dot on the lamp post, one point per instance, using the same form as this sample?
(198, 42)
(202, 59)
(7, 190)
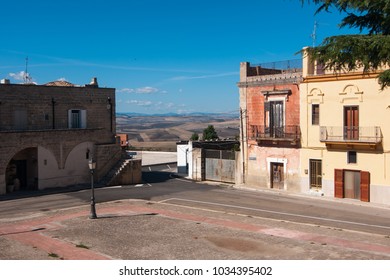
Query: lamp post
(92, 166)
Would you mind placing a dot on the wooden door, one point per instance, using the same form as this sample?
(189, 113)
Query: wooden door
(339, 183)
(365, 186)
(277, 175)
(351, 123)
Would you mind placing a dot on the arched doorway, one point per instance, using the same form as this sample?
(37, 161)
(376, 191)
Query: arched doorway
(22, 171)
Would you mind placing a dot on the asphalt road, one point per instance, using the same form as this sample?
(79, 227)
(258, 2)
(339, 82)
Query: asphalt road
(160, 185)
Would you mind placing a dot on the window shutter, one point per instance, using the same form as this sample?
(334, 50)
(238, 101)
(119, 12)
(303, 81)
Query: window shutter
(267, 106)
(83, 119)
(365, 186)
(69, 118)
(339, 183)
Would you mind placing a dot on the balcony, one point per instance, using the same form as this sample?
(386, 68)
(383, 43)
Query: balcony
(347, 135)
(275, 135)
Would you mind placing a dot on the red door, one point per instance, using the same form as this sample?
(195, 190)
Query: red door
(339, 183)
(351, 123)
(365, 186)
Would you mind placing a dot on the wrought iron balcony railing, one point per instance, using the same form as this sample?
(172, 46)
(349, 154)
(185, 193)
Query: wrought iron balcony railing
(351, 134)
(284, 133)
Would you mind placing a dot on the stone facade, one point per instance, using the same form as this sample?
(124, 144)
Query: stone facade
(49, 132)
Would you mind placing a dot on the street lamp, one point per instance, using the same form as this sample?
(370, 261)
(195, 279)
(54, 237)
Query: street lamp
(92, 167)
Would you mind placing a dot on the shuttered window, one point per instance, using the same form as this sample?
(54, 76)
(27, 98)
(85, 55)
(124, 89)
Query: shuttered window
(339, 183)
(365, 186)
(315, 173)
(315, 114)
(77, 118)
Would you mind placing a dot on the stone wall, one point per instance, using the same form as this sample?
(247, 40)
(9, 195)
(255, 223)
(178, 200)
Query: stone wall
(40, 102)
(36, 118)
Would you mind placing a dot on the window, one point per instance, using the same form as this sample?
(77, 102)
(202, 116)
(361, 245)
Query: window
(351, 123)
(315, 114)
(77, 118)
(20, 119)
(352, 157)
(315, 173)
(274, 119)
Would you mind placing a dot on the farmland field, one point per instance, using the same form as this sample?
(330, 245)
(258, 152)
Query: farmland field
(162, 132)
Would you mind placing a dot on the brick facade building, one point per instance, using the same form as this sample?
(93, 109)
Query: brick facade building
(270, 132)
(49, 132)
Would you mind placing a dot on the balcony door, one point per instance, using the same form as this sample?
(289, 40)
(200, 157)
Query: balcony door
(351, 123)
(274, 119)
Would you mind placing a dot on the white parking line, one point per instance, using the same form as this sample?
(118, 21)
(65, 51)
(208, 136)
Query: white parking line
(274, 212)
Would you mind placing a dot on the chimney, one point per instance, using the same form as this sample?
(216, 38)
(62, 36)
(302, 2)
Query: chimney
(94, 82)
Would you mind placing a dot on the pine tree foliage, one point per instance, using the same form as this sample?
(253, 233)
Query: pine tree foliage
(209, 133)
(369, 51)
(194, 137)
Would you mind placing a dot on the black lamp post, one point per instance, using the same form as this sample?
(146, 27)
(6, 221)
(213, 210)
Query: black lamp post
(92, 167)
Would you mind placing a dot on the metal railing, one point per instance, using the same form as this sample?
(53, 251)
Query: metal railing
(261, 132)
(292, 65)
(356, 134)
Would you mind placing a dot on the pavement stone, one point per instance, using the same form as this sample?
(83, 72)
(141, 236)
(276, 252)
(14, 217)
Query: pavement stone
(138, 229)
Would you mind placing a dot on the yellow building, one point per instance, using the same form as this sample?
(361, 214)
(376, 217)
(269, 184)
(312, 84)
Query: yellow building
(345, 134)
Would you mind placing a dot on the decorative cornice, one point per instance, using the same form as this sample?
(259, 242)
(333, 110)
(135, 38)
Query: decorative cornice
(270, 82)
(339, 77)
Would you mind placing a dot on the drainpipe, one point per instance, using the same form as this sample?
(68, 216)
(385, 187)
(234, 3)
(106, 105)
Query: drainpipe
(109, 106)
(53, 103)
(242, 146)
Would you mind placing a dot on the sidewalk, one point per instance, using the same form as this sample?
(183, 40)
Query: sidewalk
(138, 229)
(155, 158)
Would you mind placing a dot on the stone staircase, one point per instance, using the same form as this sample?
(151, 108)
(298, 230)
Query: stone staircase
(125, 172)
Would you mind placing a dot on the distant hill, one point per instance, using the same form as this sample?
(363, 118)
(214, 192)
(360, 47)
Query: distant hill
(171, 114)
(162, 131)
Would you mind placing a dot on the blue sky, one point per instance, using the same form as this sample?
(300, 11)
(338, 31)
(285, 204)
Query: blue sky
(161, 55)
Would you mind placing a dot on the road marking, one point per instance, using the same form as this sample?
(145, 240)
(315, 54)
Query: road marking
(110, 187)
(274, 212)
(182, 180)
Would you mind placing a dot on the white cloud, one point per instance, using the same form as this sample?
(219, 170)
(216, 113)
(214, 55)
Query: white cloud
(182, 78)
(18, 76)
(22, 76)
(143, 103)
(142, 90)
(146, 90)
(126, 90)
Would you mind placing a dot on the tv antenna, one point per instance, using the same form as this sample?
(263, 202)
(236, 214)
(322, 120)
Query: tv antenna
(26, 77)
(314, 34)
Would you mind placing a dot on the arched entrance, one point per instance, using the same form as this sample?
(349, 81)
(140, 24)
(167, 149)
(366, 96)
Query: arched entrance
(22, 171)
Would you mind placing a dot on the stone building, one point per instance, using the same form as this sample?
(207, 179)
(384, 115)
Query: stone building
(49, 132)
(270, 132)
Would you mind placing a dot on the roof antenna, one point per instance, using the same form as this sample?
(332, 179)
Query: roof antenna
(26, 78)
(314, 34)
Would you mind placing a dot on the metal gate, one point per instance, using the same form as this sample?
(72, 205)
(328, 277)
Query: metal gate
(220, 165)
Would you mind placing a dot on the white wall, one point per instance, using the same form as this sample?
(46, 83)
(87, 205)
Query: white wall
(76, 169)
